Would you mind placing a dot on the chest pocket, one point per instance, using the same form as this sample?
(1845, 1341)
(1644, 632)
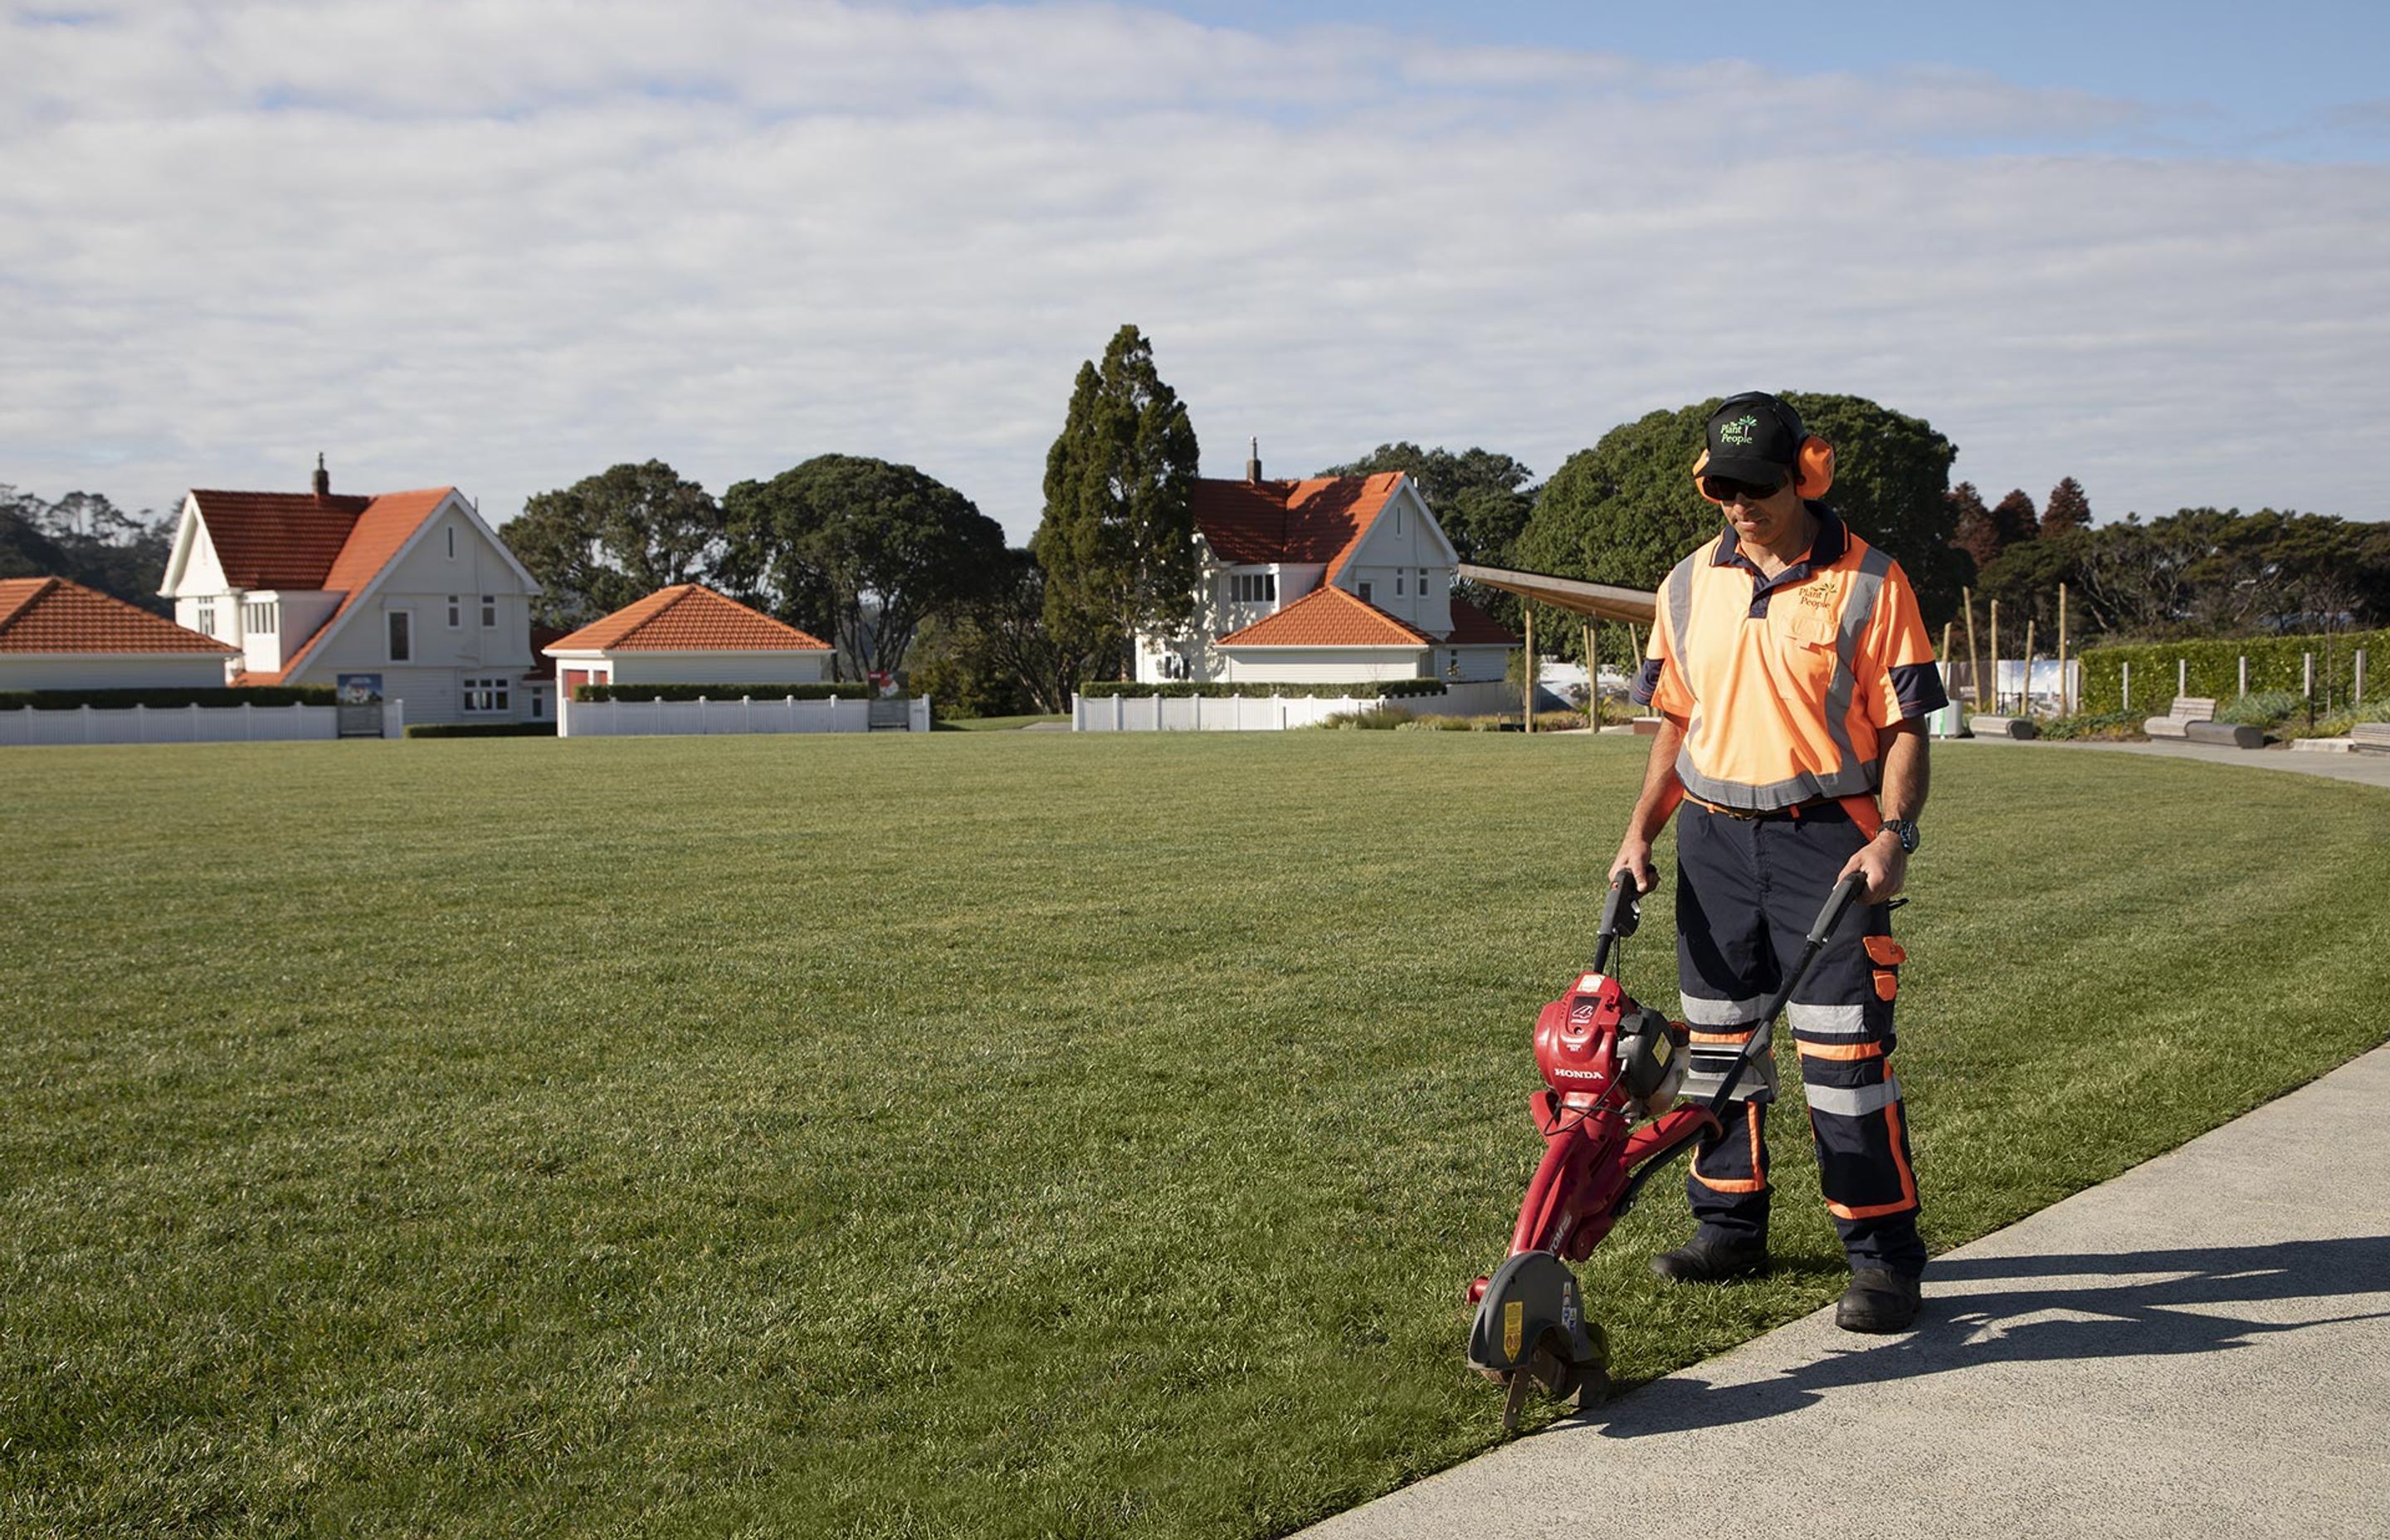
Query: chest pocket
(1801, 643)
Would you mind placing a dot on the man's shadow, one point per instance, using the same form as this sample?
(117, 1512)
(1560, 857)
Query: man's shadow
(2171, 1302)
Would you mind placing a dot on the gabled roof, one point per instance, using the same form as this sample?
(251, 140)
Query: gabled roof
(1258, 523)
(299, 541)
(50, 614)
(1473, 627)
(1327, 616)
(686, 617)
(380, 530)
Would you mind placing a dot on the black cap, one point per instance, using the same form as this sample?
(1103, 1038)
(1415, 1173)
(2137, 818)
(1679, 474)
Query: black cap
(1753, 438)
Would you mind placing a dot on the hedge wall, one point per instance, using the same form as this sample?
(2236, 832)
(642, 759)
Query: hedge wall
(2275, 664)
(481, 729)
(170, 699)
(1381, 689)
(857, 690)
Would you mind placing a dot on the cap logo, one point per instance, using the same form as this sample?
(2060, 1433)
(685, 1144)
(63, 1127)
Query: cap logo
(1738, 431)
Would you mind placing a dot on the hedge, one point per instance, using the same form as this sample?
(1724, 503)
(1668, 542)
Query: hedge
(2275, 664)
(855, 690)
(481, 729)
(1378, 689)
(172, 697)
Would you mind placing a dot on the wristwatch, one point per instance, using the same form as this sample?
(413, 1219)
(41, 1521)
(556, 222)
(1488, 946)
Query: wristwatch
(1904, 831)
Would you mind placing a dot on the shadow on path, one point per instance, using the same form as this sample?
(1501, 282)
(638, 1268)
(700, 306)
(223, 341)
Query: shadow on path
(2093, 1307)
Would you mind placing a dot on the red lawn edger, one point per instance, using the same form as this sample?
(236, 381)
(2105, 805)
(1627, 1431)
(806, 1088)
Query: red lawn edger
(1608, 1064)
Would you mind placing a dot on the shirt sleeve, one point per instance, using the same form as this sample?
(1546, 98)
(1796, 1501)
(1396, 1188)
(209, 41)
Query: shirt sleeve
(1908, 680)
(1661, 685)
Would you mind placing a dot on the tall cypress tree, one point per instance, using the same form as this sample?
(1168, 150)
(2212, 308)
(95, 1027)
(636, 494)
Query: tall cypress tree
(1117, 541)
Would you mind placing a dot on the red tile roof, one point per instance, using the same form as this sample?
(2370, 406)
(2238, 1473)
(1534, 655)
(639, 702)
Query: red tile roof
(1473, 627)
(1254, 523)
(1327, 616)
(373, 534)
(687, 617)
(50, 614)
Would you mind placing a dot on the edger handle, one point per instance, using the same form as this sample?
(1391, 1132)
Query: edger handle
(1830, 918)
(1621, 913)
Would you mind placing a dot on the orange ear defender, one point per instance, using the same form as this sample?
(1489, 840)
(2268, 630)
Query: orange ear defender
(1813, 460)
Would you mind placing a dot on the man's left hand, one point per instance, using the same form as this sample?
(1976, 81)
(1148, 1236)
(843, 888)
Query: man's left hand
(1886, 865)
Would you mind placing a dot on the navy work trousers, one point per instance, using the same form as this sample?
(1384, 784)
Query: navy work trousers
(1747, 891)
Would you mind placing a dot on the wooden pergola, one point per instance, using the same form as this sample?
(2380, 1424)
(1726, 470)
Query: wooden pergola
(1595, 601)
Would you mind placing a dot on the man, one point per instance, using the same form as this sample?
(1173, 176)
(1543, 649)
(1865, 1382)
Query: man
(1791, 668)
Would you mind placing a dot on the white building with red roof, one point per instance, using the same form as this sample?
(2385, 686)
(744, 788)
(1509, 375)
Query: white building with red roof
(1333, 580)
(686, 635)
(60, 636)
(410, 586)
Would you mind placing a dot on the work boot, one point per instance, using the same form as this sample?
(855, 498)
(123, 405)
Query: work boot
(1710, 1259)
(1876, 1302)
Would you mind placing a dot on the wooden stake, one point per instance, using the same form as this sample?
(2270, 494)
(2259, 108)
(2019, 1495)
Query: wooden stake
(1592, 683)
(1974, 662)
(1946, 659)
(2065, 706)
(1527, 702)
(1995, 628)
(2025, 690)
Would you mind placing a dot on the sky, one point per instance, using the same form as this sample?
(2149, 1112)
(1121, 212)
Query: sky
(503, 244)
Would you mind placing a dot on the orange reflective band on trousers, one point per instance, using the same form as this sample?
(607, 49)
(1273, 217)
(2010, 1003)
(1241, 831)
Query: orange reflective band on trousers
(1757, 1181)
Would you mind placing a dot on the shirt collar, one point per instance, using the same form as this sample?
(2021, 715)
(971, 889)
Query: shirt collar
(1833, 542)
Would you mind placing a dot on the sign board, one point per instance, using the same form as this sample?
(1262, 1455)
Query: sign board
(359, 704)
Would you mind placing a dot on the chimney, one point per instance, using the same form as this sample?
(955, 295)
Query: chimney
(323, 477)
(1253, 462)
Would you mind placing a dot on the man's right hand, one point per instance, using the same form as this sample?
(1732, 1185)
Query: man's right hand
(1634, 855)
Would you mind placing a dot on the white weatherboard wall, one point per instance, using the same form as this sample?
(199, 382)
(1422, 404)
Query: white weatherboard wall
(1403, 542)
(183, 725)
(1322, 665)
(807, 666)
(773, 715)
(111, 671)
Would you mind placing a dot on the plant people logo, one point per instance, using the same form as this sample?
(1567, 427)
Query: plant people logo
(1738, 432)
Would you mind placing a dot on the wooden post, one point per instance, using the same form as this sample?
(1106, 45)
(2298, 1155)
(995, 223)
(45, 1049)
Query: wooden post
(2065, 706)
(2182, 676)
(2360, 677)
(1592, 683)
(2125, 666)
(1527, 701)
(1974, 663)
(1995, 627)
(1947, 662)
(2245, 674)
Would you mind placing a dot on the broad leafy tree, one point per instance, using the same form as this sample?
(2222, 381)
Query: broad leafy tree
(1482, 499)
(1117, 542)
(992, 655)
(875, 547)
(614, 537)
(86, 538)
(1627, 510)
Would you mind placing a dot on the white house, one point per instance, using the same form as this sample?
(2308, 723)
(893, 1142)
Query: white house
(1331, 579)
(411, 586)
(60, 636)
(686, 635)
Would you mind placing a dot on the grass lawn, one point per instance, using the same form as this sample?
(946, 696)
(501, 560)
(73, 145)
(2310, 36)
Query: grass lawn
(912, 1136)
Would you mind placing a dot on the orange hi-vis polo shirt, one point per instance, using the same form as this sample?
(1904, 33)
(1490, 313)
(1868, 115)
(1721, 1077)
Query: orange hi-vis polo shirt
(1786, 685)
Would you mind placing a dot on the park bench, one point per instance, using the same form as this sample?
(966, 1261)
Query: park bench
(2370, 736)
(2186, 710)
(1985, 726)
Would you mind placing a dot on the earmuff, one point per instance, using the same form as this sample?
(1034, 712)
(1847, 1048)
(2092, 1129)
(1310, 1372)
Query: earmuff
(1813, 458)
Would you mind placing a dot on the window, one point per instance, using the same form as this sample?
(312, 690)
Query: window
(538, 704)
(452, 542)
(456, 612)
(1423, 587)
(488, 694)
(1398, 584)
(489, 611)
(1254, 587)
(402, 635)
(207, 617)
(1399, 519)
(1366, 589)
(265, 618)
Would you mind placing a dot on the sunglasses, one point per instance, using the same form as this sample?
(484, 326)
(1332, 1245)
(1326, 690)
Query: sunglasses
(1725, 489)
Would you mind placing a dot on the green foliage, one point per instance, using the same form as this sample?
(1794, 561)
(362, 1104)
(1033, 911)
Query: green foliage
(1625, 510)
(882, 547)
(2275, 664)
(613, 538)
(975, 1134)
(992, 655)
(2261, 708)
(1117, 541)
(810, 690)
(1371, 719)
(2094, 725)
(84, 538)
(1364, 690)
(170, 698)
(481, 729)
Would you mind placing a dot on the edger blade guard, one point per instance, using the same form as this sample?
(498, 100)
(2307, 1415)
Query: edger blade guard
(1531, 1328)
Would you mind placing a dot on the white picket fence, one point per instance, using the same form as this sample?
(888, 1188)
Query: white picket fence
(243, 724)
(746, 714)
(1270, 713)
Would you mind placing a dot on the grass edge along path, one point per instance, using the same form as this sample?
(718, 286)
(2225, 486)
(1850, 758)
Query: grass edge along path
(975, 1134)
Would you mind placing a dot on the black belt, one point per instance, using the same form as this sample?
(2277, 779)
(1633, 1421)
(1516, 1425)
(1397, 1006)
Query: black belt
(1815, 807)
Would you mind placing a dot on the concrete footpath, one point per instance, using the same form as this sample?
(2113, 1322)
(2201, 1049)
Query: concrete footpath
(2366, 769)
(2199, 1347)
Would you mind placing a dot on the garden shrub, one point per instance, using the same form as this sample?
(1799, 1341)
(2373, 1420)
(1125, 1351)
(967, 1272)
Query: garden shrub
(171, 697)
(481, 729)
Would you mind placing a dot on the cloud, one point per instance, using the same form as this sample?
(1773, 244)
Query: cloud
(507, 245)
